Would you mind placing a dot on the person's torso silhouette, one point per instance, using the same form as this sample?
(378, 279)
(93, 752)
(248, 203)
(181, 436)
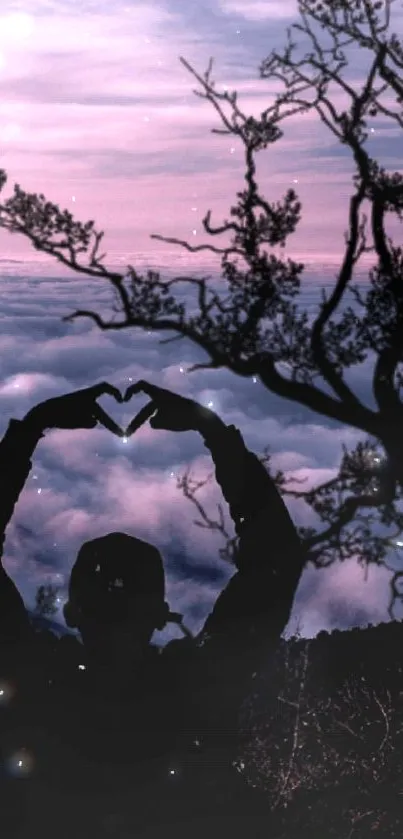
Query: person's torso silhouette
(173, 725)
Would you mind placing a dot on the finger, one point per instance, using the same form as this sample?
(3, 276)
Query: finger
(90, 423)
(140, 419)
(160, 421)
(106, 421)
(167, 421)
(138, 387)
(105, 387)
(130, 391)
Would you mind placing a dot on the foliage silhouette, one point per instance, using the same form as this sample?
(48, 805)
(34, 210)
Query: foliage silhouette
(46, 600)
(325, 724)
(346, 527)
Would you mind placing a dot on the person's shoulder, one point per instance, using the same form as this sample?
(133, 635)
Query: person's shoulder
(70, 646)
(178, 646)
(57, 659)
(70, 655)
(55, 652)
(178, 652)
(177, 674)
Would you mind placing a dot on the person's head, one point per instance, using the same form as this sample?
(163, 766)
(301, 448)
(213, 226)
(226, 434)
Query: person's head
(117, 597)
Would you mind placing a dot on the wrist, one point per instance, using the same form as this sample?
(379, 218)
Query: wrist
(33, 425)
(208, 424)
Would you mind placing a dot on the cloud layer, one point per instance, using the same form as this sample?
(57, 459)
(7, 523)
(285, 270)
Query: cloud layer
(87, 483)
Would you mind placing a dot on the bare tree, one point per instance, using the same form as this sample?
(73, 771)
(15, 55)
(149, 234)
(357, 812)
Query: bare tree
(253, 324)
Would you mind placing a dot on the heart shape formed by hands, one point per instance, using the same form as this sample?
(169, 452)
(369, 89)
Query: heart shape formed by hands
(168, 410)
(141, 417)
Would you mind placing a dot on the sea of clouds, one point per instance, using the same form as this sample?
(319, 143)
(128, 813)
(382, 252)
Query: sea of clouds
(86, 483)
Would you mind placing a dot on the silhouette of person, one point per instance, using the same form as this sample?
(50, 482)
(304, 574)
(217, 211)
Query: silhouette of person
(117, 601)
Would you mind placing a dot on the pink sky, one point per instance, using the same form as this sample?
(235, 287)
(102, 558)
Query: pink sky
(97, 112)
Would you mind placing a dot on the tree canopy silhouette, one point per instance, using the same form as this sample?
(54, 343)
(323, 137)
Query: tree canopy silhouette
(255, 324)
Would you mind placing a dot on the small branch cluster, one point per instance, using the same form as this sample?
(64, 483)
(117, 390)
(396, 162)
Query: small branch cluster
(325, 718)
(358, 516)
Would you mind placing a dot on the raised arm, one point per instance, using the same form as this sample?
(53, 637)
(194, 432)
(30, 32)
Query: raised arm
(16, 450)
(251, 613)
(270, 559)
(259, 513)
(76, 410)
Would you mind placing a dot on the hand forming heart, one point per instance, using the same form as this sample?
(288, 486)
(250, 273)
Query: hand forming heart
(80, 409)
(141, 417)
(172, 411)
